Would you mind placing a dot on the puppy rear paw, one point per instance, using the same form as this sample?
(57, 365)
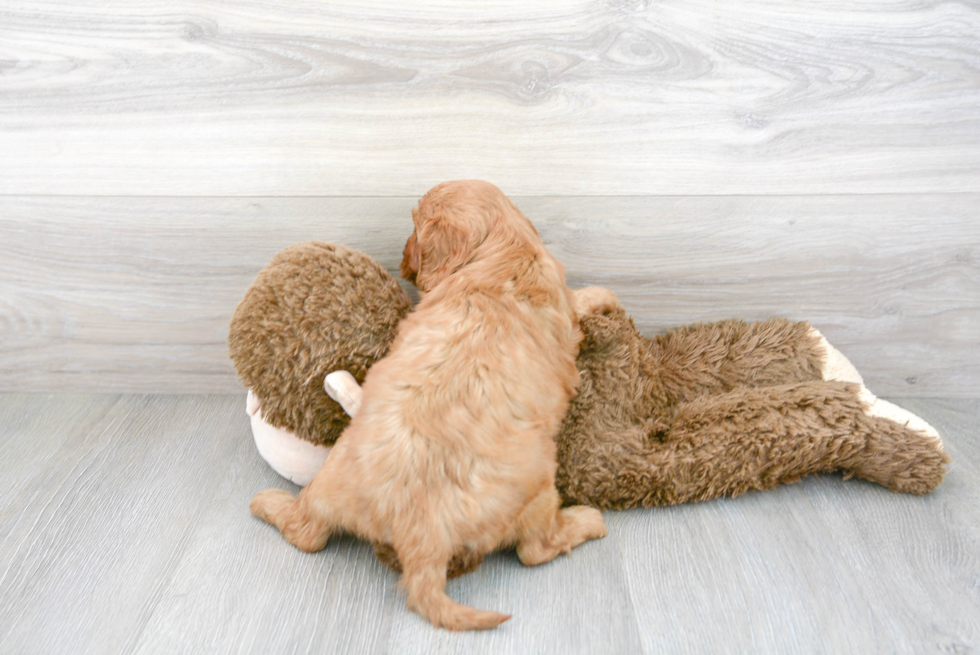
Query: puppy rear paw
(304, 529)
(268, 505)
(594, 300)
(587, 521)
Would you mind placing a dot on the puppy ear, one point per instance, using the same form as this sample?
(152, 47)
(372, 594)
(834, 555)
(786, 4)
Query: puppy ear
(443, 247)
(411, 257)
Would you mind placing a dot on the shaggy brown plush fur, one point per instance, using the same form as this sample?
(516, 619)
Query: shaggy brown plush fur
(317, 308)
(704, 411)
(720, 409)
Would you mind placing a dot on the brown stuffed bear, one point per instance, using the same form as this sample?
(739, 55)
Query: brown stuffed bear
(704, 411)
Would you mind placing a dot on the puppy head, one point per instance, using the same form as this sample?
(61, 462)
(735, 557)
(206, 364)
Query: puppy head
(452, 222)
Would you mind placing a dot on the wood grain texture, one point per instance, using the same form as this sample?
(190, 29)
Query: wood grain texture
(135, 294)
(378, 97)
(128, 531)
(107, 515)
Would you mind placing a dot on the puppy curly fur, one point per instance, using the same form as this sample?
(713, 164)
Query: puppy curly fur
(453, 449)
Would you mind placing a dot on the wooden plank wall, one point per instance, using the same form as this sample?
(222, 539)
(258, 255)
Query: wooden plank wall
(706, 160)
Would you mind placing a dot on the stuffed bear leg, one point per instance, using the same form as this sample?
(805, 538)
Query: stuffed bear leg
(712, 358)
(753, 439)
(722, 356)
(786, 432)
(729, 355)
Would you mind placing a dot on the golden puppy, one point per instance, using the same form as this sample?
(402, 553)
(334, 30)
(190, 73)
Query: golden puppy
(453, 448)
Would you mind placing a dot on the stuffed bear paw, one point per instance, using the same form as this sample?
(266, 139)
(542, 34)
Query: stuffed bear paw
(837, 367)
(594, 300)
(342, 387)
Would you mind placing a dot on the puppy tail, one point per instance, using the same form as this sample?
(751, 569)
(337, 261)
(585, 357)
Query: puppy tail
(427, 596)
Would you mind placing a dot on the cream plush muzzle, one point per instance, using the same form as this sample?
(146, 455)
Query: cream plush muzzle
(288, 455)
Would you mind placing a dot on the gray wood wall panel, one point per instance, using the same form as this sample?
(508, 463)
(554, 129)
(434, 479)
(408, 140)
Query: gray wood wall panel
(135, 294)
(819, 160)
(130, 533)
(382, 97)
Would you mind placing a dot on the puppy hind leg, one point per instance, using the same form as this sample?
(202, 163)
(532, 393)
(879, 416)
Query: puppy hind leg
(543, 531)
(299, 521)
(425, 581)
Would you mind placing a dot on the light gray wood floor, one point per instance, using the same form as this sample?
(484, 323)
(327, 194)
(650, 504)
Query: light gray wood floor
(124, 527)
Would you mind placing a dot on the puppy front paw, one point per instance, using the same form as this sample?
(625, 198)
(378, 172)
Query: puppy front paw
(594, 300)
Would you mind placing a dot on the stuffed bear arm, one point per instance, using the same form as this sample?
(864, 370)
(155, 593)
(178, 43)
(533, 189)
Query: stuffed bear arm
(342, 387)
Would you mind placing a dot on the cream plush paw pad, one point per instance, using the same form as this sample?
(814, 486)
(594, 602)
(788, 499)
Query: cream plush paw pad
(288, 455)
(884, 409)
(838, 367)
(835, 365)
